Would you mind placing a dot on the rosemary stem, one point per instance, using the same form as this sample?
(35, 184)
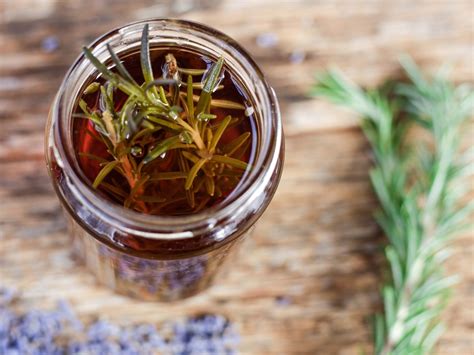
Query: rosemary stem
(396, 331)
(132, 179)
(414, 185)
(195, 134)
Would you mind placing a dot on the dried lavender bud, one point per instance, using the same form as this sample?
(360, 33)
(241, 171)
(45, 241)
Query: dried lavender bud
(59, 332)
(205, 334)
(283, 301)
(152, 275)
(186, 273)
(34, 332)
(6, 296)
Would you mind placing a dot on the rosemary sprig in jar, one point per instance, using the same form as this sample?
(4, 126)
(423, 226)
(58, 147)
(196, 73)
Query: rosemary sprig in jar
(420, 191)
(167, 106)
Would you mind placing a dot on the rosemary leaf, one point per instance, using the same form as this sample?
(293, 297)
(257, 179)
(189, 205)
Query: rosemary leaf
(209, 85)
(184, 166)
(222, 103)
(84, 108)
(107, 168)
(190, 156)
(92, 88)
(115, 190)
(230, 161)
(226, 104)
(206, 116)
(239, 153)
(163, 95)
(145, 56)
(160, 82)
(93, 157)
(231, 147)
(218, 134)
(108, 74)
(199, 86)
(143, 132)
(88, 115)
(193, 172)
(164, 123)
(121, 83)
(198, 184)
(120, 67)
(190, 102)
(151, 199)
(169, 175)
(192, 71)
(210, 186)
(161, 148)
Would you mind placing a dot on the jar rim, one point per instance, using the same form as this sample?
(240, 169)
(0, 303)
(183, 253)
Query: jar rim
(178, 227)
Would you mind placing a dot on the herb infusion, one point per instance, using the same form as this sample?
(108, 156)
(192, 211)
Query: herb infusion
(154, 146)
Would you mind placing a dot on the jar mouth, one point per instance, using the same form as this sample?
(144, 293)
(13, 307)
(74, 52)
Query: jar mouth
(251, 188)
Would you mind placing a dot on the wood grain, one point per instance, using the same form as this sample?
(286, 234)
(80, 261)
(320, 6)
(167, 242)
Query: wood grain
(307, 281)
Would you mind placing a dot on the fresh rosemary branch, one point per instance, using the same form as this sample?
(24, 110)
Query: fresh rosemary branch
(159, 118)
(420, 186)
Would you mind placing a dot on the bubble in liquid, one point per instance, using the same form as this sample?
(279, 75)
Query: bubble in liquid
(137, 151)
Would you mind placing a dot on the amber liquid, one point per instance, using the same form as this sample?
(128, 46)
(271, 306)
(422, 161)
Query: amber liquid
(148, 268)
(170, 194)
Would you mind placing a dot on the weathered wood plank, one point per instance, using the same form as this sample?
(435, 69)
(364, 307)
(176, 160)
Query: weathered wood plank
(317, 247)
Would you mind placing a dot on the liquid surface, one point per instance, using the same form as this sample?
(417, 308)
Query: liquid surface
(168, 196)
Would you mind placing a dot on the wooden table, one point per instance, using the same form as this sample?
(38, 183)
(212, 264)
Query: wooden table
(307, 281)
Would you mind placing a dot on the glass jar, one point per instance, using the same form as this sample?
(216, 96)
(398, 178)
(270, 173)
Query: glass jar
(162, 257)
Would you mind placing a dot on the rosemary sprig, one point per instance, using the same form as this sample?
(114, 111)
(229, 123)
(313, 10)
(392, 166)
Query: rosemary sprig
(158, 120)
(421, 194)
